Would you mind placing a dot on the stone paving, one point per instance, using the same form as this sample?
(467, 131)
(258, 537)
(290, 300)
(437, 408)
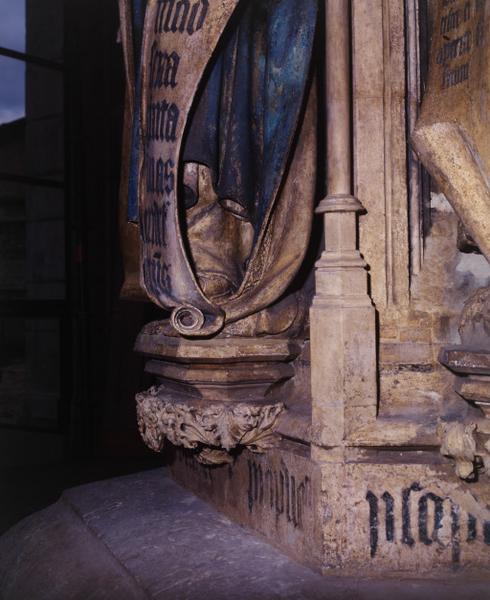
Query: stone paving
(143, 536)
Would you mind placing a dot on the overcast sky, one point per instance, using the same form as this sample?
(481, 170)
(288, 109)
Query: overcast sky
(12, 35)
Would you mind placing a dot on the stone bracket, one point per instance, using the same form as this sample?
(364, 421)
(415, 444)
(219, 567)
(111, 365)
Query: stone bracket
(213, 430)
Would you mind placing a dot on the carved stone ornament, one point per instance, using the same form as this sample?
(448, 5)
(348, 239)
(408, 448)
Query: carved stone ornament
(214, 430)
(459, 441)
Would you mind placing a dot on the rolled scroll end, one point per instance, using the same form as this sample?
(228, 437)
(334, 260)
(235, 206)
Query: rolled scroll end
(189, 321)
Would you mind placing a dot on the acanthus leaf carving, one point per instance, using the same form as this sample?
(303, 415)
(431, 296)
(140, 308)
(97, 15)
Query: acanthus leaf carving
(214, 429)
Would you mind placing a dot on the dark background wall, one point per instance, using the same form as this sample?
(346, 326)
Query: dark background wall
(106, 372)
(66, 337)
(64, 256)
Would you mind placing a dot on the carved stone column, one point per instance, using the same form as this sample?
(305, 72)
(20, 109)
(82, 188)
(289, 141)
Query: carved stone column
(343, 335)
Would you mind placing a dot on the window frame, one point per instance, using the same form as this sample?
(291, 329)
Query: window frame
(52, 309)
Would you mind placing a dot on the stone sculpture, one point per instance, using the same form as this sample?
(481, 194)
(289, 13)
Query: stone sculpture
(222, 165)
(215, 426)
(221, 182)
(452, 134)
(452, 138)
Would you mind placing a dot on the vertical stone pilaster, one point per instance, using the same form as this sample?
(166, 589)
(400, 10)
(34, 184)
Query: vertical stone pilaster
(343, 330)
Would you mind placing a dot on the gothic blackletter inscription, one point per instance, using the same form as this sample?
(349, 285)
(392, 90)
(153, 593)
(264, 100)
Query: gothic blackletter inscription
(179, 39)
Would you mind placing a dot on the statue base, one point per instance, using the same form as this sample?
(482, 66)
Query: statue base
(213, 396)
(373, 513)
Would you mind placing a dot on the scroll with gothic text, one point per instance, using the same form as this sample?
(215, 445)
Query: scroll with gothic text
(179, 40)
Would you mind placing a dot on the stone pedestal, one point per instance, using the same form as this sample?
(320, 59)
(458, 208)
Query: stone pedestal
(343, 334)
(376, 513)
(213, 395)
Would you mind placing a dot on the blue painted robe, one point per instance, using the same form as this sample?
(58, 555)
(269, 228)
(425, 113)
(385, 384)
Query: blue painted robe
(247, 114)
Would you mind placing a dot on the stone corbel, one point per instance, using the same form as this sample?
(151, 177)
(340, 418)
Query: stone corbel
(213, 430)
(213, 396)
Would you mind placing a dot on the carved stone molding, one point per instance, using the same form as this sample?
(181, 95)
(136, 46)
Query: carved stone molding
(212, 429)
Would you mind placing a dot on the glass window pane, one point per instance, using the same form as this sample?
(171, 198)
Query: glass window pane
(43, 20)
(32, 242)
(12, 246)
(44, 123)
(12, 90)
(30, 371)
(13, 24)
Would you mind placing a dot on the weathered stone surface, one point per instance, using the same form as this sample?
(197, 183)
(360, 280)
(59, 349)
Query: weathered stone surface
(394, 518)
(476, 390)
(411, 377)
(52, 555)
(152, 341)
(474, 327)
(375, 511)
(376, 504)
(214, 395)
(276, 495)
(379, 145)
(385, 512)
(197, 258)
(418, 291)
(142, 536)
(466, 361)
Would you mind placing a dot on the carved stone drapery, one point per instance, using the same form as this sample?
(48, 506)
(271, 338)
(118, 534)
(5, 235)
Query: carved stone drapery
(212, 429)
(474, 327)
(469, 443)
(200, 256)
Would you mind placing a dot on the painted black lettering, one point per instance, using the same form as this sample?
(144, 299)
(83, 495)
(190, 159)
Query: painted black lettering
(423, 517)
(406, 520)
(373, 522)
(455, 534)
(180, 16)
(389, 516)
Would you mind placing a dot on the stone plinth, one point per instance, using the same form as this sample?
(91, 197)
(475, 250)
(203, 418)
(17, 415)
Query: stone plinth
(376, 512)
(275, 494)
(213, 395)
(394, 518)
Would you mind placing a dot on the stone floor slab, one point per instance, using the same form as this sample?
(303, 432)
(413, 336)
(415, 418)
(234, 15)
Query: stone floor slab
(143, 536)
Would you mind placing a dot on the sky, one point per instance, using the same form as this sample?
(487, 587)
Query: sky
(12, 36)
